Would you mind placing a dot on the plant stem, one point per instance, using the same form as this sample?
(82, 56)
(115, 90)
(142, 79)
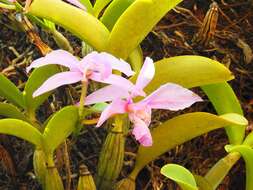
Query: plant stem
(82, 97)
(67, 166)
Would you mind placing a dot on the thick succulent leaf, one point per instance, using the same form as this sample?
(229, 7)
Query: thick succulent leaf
(91, 30)
(180, 129)
(135, 23)
(136, 59)
(249, 139)
(224, 101)
(180, 175)
(60, 126)
(202, 183)
(11, 111)
(247, 154)
(21, 129)
(114, 11)
(36, 79)
(188, 71)
(217, 173)
(9, 91)
(88, 5)
(98, 107)
(99, 6)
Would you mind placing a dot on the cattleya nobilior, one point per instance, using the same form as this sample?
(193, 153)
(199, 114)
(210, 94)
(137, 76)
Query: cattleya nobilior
(169, 96)
(94, 66)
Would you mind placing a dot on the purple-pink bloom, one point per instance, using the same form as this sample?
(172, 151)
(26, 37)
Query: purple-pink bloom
(127, 88)
(169, 97)
(77, 3)
(95, 66)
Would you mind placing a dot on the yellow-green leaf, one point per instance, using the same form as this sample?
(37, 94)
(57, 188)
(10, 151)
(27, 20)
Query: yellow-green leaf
(99, 6)
(217, 173)
(87, 5)
(21, 129)
(136, 59)
(36, 79)
(179, 130)
(202, 183)
(9, 91)
(11, 111)
(135, 23)
(180, 175)
(224, 101)
(114, 11)
(247, 154)
(188, 71)
(60, 126)
(80, 23)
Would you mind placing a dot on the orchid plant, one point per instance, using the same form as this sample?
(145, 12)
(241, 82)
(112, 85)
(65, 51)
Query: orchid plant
(133, 88)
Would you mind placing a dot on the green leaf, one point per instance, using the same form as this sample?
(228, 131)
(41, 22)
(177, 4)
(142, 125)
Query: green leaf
(11, 111)
(80, 23)
(188, 71)
(61, 125)
(135, 23)
(22, 130)
(202, 183)
(99, 107)
(249, 139)
(247, 154)
(136, 59)
(9, 91)
(88, 5)
(99, 6)
(224, 101)
(217, 173)
(114, 11)
(180, 129)
(36, 79)
(180, 175)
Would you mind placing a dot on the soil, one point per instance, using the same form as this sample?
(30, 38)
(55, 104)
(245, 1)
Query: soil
(172, 36)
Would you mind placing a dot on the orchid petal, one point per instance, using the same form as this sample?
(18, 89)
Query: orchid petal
(57, 80)
(105, 94)
(95, 62)
(116, 107)
(146, 74)
(77, 3)
(142, 134)
(118, 64)
(58, 57)
(115, 80)
(172, 97)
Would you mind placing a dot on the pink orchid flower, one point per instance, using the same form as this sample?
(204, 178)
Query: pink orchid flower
(77, 3)
(95, 66)
(127, 88)
(169, 97)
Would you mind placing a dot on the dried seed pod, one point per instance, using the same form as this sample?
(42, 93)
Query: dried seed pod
(125, 184)
(112, 156)
(39, 166)
(207, 30)
(85, 181)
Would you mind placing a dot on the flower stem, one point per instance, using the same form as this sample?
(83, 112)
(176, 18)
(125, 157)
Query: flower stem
(82, 97)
